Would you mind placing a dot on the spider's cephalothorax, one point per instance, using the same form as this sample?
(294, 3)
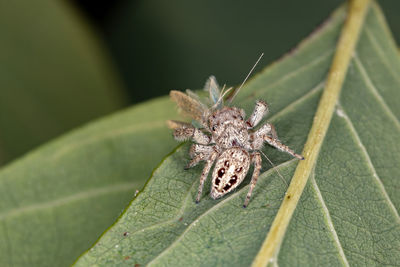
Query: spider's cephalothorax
(226, 138)
(228, 127)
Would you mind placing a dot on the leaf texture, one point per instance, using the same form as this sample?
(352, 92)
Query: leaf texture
(348, 214)
(57, 200)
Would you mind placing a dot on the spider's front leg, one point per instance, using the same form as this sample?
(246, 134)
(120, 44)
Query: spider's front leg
(256, 159)
(260, 111)
(276, 143)
(185, 133)
(267, 134)
(204, 173)
(200, 150)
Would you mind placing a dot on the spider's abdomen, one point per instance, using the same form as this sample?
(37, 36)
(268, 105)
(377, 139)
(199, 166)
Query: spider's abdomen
(229, 171)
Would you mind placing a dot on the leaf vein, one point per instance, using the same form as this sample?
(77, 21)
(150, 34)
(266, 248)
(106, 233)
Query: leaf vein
(62, 201)
(353, 131)
(381, 53)
(328, 219)
(374, 91)
(295, 72)
(8, 244)
(69, 147)
(155, 225)
(215, 207)
(298, 101)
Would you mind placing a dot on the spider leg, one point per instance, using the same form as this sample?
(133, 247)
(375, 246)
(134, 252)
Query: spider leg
(258, 136)
(276, 143)
(197, 148)
(256, 158)
(273, 131)
(268, 134)
(196, 159)
(204, 174)
(198, 153)
(260, 110)
(185, 133)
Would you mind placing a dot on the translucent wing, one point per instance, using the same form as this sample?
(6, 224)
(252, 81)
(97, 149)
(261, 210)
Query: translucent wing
(189, 105)
(212, 87)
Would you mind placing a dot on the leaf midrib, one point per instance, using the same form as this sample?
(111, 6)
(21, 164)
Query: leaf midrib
(345, 48)
(278, 114)
(342, 113)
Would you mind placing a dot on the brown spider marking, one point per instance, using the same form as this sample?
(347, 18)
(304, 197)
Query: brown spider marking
(226, 138)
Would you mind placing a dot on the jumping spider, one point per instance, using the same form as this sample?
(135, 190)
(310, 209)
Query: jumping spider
(225, 136)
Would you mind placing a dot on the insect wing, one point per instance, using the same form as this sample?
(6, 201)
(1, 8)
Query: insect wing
(212, 87)
(189, 105)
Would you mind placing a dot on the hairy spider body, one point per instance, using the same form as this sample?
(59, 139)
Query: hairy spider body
(229, 171)
(227, 139)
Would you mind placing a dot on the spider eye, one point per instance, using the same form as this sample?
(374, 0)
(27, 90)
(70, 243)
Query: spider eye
(214, 128)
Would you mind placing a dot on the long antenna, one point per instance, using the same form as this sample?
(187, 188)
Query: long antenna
(276, 169)
(245, 79)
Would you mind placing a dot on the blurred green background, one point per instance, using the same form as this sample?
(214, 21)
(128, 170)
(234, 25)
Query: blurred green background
(64, 63)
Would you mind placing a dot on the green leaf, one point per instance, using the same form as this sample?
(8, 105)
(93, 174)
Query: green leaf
(57, 200)
(53, 75)
(348, 212)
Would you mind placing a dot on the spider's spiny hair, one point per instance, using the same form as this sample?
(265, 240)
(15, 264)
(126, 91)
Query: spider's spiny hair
(221, 98)
(235, 92)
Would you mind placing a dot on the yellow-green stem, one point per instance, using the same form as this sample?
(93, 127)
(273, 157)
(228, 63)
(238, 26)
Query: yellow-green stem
(357, 10)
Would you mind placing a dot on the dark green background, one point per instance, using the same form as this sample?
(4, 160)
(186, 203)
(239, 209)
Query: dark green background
(163, 45)
(153, 46)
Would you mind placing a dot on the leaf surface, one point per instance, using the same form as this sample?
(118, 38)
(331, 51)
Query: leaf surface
(348, 214)
(57, 200)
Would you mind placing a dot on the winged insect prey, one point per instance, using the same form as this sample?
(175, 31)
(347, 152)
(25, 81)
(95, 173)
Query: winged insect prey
(223, 135)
